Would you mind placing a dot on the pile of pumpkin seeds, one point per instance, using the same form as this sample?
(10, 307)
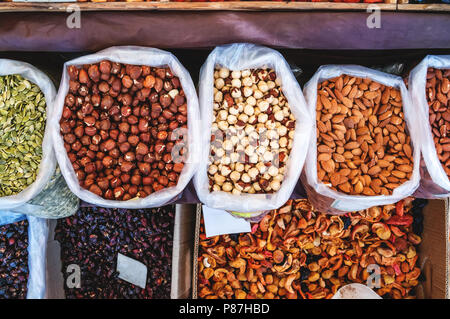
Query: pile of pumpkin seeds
(22, 126)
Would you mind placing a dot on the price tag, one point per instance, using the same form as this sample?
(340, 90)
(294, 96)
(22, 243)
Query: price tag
(220, 222)
(132, 270)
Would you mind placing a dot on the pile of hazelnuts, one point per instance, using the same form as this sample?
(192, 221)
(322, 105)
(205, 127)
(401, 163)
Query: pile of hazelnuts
(119, 126)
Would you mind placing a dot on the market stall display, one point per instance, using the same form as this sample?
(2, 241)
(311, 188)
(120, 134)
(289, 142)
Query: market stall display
(27, 159)
(429, 85)
(298, 252)
(124, 133)
(255, 128)
(94, 237)
(364, 151)
(23, 242)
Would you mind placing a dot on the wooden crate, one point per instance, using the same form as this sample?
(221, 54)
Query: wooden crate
(404, 5)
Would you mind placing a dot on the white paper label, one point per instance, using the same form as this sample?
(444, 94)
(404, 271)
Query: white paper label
(132, 270)
(220, 222)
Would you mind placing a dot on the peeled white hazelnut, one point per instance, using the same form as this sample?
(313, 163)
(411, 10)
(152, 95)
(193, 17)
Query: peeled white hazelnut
(239, 167)
(253, 172)
(279, 177)
(271, 84)
(216, 106)
(222, 125)
(247, 82)
(260, 150)
(264, 142)
(236, 83)
(263, 105)
(252, 119)
(275, 101)
(236, 93)
(173, 93)
(249, 150)
(243, 117)
(274, 145)
(268, 157)
(233, 110)
(251, 190)
(271, 125)
(245, 73)
(261, 167)
(225, 171)
(266, 176)
(249, 110)
(273, 171)
(257, 187)
(219, 179)
(248, 91)
(289, 146)
(257, 94)
(271, 134)
(234, 157)
(224, 73)
(282, 130)
(240, 106)
(219, 83)
(220, 152)
(240, 147)
(234, 139)
(262, 118)
(236, 191)
(222, 115)
(275, 185)
(231, 119)
(212, 169)
(262, 74)
(241, 133)
(263, 87)
(225, 160)
(216, 74)
(253, 136)
(279, 116)
(251, 101)
(227, 187)
(291, 134)
(236, 74)
(235, 176)
(283, 142)
(216, 188)
(253, 158)
(245, 178)
(227, 145)
(218, 97)
(249, 128)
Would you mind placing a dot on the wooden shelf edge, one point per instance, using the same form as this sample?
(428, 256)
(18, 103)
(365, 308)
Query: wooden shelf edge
(190, 6)
(432, 7)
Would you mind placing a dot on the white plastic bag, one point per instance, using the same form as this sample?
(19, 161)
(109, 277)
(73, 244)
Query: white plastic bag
(435, 182)
(249, 56)
(324, 198)
(37, 250)
(48, 162)
(136, 56)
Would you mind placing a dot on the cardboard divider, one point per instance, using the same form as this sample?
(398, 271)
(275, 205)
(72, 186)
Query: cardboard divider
(433, 251)
(182, 255)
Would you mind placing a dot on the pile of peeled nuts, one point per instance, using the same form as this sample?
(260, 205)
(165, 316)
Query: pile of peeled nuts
(251, 134)
(296, 252)
(119, 126)
(93, 237)
(22, 125)
(438, 98)
(14, 260)
(363, 145)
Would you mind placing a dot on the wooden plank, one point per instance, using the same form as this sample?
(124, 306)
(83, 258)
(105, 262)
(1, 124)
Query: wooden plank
(431, 7)
(191, 6)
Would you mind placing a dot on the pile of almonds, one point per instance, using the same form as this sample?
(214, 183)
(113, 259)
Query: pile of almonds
(363, 146)
(252, 132)
(118, 126)
(438, 98)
